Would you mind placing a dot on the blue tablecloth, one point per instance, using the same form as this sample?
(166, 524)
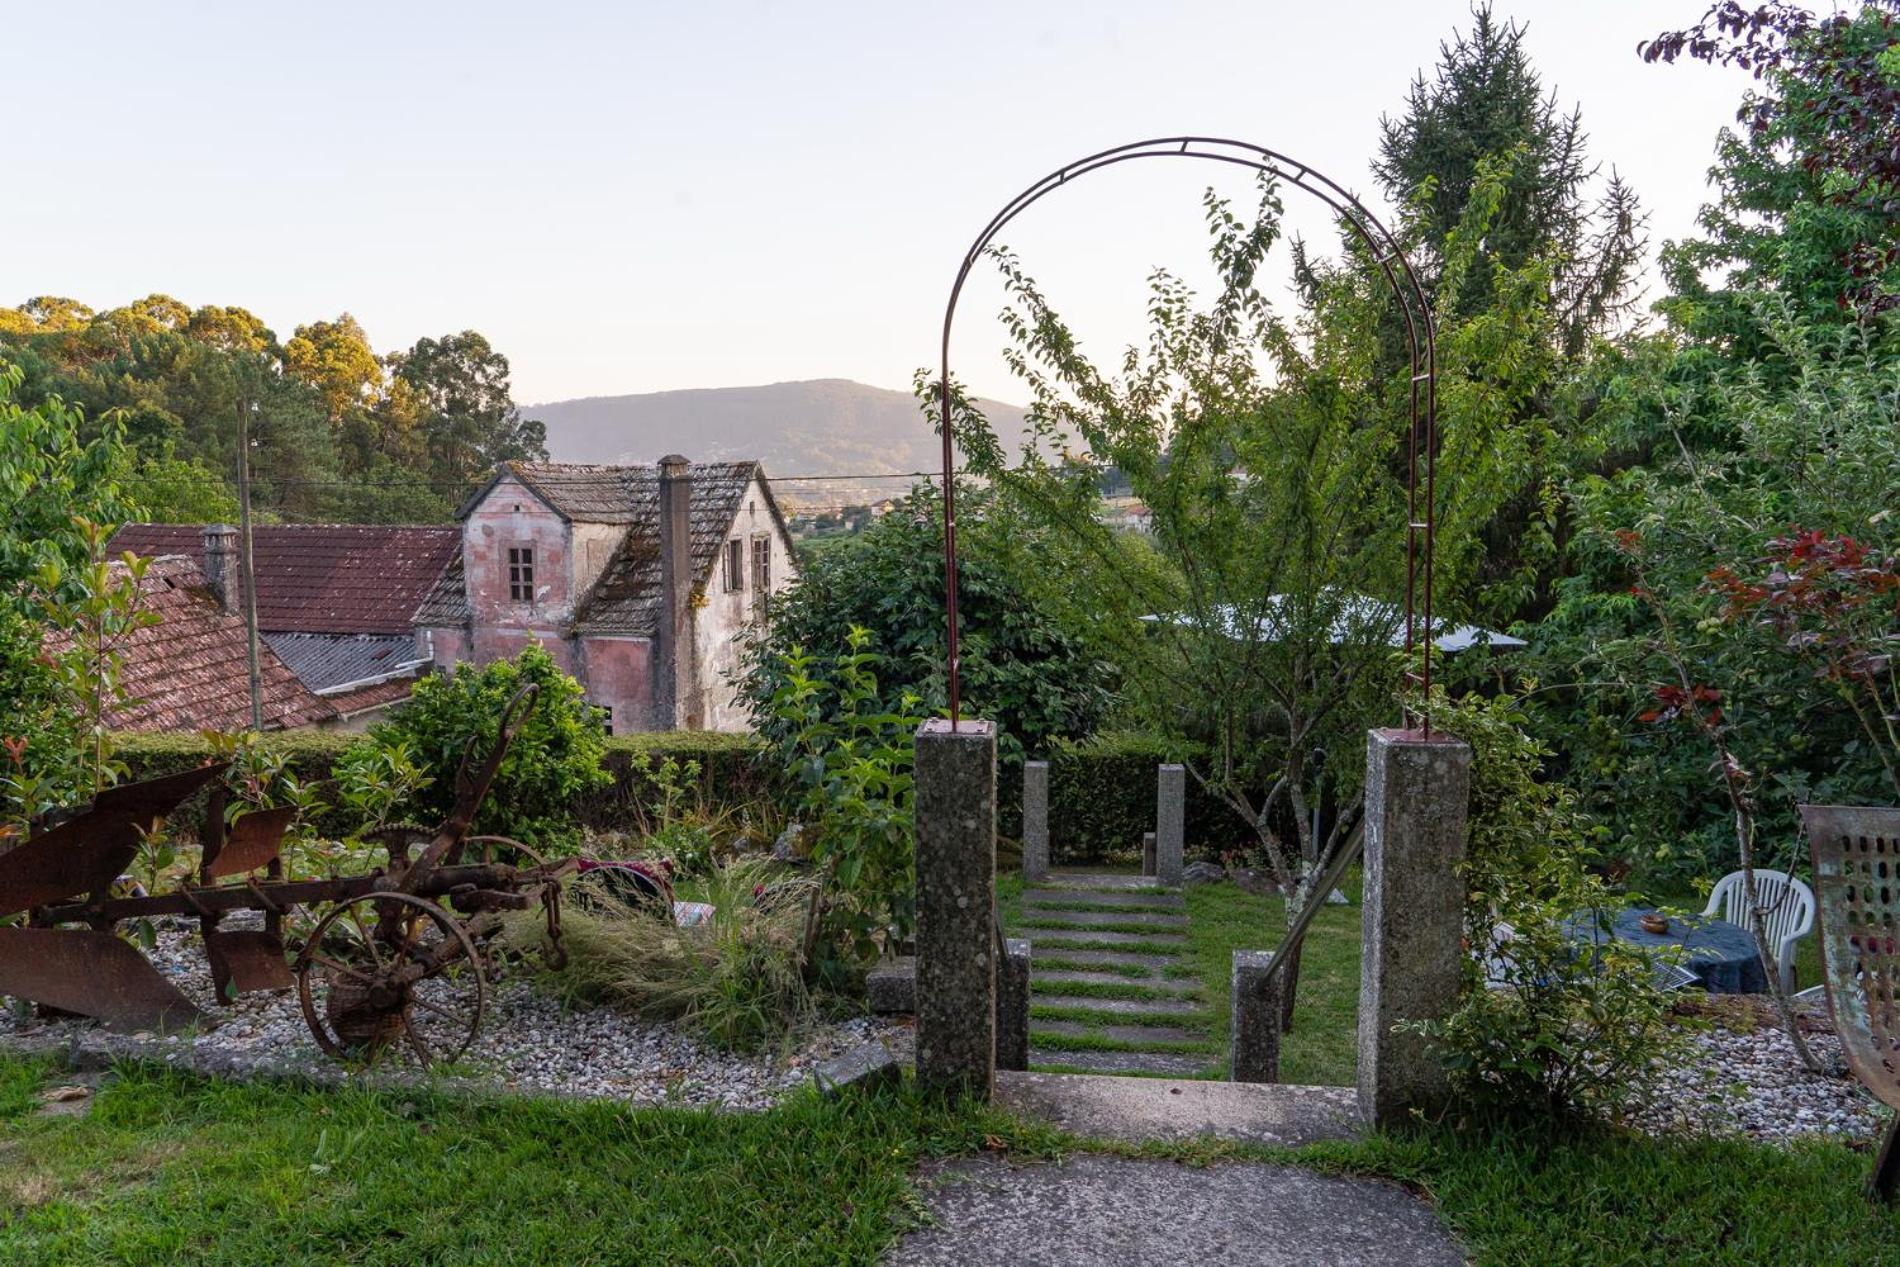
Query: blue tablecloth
(1722, 955)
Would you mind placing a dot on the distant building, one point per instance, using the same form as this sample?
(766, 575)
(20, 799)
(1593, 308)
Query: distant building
(1126, 514)
(335, 602)
(638, 579)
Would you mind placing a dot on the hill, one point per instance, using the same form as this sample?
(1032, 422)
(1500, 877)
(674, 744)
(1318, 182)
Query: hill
(823, 426)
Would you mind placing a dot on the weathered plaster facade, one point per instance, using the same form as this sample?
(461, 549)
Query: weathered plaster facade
(594, 598)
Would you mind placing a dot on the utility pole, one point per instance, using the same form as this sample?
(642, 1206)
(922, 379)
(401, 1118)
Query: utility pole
(247, 407)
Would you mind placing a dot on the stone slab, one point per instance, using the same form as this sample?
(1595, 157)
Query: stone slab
(1088, 1211)
(1170, 822)
(1108, 938)
(865, 1067)
(1122, 1007)
(1035, 819)
(891, 987)
(1101, 881)
(1140, 1110)
(1122, 1033)
(1108, 898)
(955, 812)
(1106, 919)
(1253, 1032)
(1040, 979)
(1116, 958)
(1160, 1064)
(1012, 1006)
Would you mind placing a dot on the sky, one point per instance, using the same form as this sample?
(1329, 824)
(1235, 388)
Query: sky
(632, 197)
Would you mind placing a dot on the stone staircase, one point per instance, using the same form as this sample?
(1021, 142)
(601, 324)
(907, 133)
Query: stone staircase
(1114, 985)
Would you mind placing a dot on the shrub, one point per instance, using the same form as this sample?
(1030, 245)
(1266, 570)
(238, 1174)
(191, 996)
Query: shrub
(1102, 798)
(1561, 1032)
(737, 980)
(553, 763)
(850, 757)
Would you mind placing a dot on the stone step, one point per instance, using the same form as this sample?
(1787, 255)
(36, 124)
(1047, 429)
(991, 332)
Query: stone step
(1120, 1007)
(1101, 919)
(1044, 977)
(1101, 881)
(1093, 897)
(1149, 1063)
(1107, 958)
(1120, 1033)
(1106, 938)
(1143, 1110)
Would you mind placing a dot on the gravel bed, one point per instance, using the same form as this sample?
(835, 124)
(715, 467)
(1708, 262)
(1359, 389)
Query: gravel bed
(1743, 1078)
(528, 1043)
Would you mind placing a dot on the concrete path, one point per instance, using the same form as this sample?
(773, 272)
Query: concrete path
(1094, 1211)
(1114, 988)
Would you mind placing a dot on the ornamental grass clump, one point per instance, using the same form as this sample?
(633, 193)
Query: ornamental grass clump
(736, 980)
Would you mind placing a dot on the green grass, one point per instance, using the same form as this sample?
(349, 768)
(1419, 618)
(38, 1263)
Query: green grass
(1102, 1042)
(1123, 947)
(1322, 1049)
(1056, 963)
(1108, 990)
(171, 1169)
(1034, 919)
(176, 1170)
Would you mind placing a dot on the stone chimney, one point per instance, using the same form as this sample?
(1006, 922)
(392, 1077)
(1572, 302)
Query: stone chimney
(221, 565)
(676, 666)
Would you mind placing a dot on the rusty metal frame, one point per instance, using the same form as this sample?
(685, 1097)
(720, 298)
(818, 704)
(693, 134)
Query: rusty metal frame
(1421, 345)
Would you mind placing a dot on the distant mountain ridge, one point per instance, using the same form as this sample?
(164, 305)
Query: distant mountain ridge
(821, 426)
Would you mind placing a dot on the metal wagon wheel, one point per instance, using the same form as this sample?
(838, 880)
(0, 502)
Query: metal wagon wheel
(386, 968)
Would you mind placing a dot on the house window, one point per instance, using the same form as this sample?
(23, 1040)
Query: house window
(606, 714)
(735, 565)
(761, 567)
(521, 574)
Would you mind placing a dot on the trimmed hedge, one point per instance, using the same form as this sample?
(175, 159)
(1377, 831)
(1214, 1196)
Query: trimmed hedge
(1101, 790)
(1102, 798)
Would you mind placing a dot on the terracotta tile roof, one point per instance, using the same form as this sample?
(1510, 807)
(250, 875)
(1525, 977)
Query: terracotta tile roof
(325, 578)
(191, 672)
(445, 606)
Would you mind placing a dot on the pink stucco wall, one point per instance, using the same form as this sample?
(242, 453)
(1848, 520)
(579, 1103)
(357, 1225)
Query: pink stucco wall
(619, 675)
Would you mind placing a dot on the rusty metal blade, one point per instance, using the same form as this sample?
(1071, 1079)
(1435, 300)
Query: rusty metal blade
(94, 974)
(253, 842)
(85, 854)
(249, 959)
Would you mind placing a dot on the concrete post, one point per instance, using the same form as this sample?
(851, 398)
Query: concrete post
(1148, 853)
(1412, 918)
(1012, 1007)
(1035, 820)
(1170, 823)
(1253, 1030)
(956, 906)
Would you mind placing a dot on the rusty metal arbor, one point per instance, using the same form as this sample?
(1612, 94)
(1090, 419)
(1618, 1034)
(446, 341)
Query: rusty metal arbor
(1420, 339)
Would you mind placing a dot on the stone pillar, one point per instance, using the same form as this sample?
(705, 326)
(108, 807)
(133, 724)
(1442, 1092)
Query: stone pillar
(1412, 916)
(1170, 823)
(1254, 1028)
(1012, 1007)
(1148, 853)
(956, 906)
(220, 546)
(1035, 820)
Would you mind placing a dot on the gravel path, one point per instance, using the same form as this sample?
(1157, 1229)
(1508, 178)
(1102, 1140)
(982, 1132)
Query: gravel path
(528, 1042)
(1745, 1080)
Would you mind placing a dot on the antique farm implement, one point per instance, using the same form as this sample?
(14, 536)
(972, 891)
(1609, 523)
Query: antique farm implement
(396, 956)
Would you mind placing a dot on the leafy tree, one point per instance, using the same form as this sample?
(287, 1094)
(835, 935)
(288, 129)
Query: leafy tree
(1809, 193)
(1032, 668)
(469, 422)
(335, 358)
(50, 477)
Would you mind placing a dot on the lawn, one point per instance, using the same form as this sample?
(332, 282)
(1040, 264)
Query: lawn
(172, 1169)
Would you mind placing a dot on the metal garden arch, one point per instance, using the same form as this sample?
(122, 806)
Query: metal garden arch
(1421, 344)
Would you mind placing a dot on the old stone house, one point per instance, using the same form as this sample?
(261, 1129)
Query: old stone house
(637, 579)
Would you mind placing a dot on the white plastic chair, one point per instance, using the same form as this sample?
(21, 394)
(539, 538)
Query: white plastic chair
(1787, 907)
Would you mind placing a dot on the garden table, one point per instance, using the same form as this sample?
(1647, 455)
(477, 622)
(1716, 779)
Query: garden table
(1723, 956)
